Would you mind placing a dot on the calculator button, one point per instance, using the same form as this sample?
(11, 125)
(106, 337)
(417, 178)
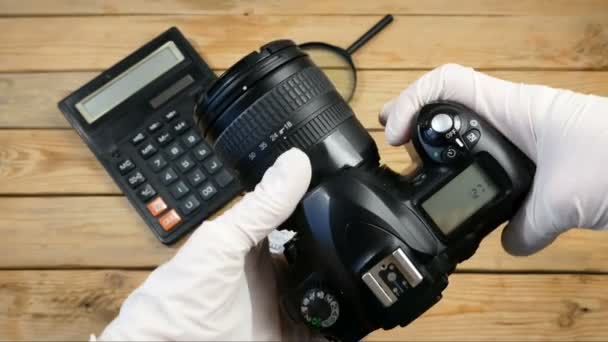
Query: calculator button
(164, 138)
(179, 189)
(212, 165)
(147, 150)
(196, 177)
(171, 115)
(155, 126)
(125, 166)
(175, 150)
(189, 205)
(146, 192)
(156, 206)
(207, 191)
(201, 152)
(191, 138)
(185, 164)
(180, 127)
(170, 220)
(157, 163)
(139, 137)
(168, 176)
(135, 179)
(224, 178)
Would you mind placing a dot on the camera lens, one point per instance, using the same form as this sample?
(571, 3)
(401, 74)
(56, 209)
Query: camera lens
(275, 99)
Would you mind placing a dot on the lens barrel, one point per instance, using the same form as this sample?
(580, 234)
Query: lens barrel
(276, 99)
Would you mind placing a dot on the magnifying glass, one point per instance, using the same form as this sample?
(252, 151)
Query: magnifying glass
(338, 63)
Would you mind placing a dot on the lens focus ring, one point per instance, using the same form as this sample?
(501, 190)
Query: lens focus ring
(271, 110)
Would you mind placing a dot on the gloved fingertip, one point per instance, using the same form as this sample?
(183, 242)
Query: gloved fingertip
(396, 137)
(521, 237)
(274, 198)
(386, 111)
(289, 176)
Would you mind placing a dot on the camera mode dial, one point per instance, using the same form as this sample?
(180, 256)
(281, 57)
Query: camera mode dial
(319, 308)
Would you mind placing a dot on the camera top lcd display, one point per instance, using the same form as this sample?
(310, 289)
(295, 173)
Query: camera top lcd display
(464, 195)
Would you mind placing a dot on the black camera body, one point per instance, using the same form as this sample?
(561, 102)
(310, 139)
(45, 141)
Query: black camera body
(369, 255)
(373, 248)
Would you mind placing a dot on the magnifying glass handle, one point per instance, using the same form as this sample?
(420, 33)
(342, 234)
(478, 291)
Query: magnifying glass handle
(370, 34)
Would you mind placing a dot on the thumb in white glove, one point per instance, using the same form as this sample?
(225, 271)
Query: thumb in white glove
(216, 287)
(564, 133)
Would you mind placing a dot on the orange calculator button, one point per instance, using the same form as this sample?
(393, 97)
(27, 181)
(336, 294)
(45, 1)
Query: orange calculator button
(170, 220)
(157, 206)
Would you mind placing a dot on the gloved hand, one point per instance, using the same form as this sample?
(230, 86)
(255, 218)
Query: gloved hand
(564, 133)
(222, 285)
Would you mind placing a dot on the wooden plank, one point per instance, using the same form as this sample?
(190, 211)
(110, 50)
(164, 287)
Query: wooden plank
(30, 99)
(68, 232)
(294, 7)
(69, 305)
(549, 42)
(49, 162)
(58, 162)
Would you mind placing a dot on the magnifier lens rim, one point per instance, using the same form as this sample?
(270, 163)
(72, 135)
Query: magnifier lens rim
(340, 52)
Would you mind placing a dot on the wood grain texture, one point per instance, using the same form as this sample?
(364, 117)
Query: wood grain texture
(40, 305)
(58, 162)
(105, 232)
(30, 99)
(548, 42)
(295, 7)
(49, 162)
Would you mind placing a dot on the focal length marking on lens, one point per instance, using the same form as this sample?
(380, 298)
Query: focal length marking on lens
(272, 137)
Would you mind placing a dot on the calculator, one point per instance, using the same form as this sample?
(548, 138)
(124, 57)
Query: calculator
(137, 119)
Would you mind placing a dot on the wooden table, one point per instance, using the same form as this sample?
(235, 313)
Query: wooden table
(71, 248)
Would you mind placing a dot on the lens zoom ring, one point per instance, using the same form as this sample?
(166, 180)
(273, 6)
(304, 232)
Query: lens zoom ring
(271, 111)
(305, 136)
(315, 129)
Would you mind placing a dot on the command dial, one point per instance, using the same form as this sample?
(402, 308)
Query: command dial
(319, 308)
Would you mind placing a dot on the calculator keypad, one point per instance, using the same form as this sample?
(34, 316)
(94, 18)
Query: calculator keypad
(201, 152)
(175, 150)
(190, 204)
(169, 220)
(139, 137)
(135, 179)
(157, 206)
(174, 155)
(207, 191)
(168, 176)
(185, 163)
(164, 138)
(196, 177)
(125, 166)
(224, 178)
(157, 162)
(147, 150)
(212, 165)
(146, 192)
(180, 126)
(154, 126)
(179, 189)
(191, 138)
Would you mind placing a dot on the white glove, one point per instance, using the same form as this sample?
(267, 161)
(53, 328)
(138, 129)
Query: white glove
(217, 287)
(564, 133)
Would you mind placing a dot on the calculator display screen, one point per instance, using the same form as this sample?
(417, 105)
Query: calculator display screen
(129, 82)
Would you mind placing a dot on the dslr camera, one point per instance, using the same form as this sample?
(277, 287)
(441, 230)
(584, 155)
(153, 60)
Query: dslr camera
(373, 247)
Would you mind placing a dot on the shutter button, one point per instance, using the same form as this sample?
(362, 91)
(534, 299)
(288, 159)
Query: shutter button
(441, 123)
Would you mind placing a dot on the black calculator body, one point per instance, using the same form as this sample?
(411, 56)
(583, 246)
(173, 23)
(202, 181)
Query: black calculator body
(137, 118)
